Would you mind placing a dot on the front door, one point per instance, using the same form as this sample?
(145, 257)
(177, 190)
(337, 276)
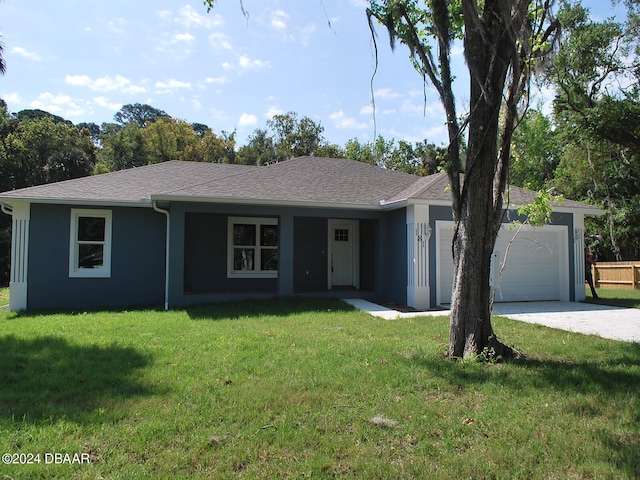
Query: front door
(343, 254)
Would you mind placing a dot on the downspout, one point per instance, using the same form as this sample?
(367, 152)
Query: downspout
(6, 209)
(166, 260)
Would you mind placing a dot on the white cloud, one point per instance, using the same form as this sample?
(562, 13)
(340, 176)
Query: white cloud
(183, 37)
(78, 80)
(117, 26)
(386, 93)
(219, 41)
(247, 120)
(272, 111)
(219, 80)
(171, 85)
(340, 120)
(278, 19)
(103, 102)
(23, 52)
(62, 105)
(195, 103)
(13, 97)
(105, 84)
(190, 18)
(244, 63)
(457, 50)
(367, 110)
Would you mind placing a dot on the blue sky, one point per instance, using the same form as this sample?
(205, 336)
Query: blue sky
(84, 60)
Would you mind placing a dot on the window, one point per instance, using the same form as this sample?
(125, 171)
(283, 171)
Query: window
(341, 235)
(90, 243)
(253, 247)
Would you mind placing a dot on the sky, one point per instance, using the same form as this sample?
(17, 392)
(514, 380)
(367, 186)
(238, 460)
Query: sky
(84, 60)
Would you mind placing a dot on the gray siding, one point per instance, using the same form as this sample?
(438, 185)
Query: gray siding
(198, 252)
(205, 258)
(369, 254)
(310, 254)
(394, 260)
(137, 263)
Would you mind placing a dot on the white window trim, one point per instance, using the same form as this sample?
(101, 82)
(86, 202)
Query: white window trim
(258, 221)
(76, 271)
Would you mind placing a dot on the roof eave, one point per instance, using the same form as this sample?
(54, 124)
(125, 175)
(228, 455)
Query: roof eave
(143, 202)
(265, 202)
(384, 205)
(589, 211)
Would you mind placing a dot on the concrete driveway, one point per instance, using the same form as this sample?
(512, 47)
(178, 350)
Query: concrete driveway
(607, 322)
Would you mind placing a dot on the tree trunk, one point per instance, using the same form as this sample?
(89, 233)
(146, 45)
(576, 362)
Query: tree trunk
(490, 50)
(471, 332)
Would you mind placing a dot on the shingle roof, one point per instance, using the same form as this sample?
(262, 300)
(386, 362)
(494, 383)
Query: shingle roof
(436, 188)
(134, 185)
(302, 180)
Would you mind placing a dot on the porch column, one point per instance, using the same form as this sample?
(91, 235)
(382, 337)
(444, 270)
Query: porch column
(21, 214)
(418, 233)
(285, 255)
(578, 257)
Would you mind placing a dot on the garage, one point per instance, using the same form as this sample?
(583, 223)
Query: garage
(536, 268)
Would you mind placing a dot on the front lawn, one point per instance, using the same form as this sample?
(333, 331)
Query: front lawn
(307, 389)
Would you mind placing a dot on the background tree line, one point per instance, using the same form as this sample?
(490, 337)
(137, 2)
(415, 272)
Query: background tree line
(586, 148)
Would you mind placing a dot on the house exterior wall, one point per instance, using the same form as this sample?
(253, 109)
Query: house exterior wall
(310, 254)
(198, 252)
(198, 255)
(137, 263)
(394, 259)
(205, 258)
(369, 255)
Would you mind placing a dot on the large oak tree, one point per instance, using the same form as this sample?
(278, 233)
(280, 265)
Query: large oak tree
(502, 39)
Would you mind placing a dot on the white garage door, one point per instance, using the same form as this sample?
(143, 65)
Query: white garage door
(537, 266)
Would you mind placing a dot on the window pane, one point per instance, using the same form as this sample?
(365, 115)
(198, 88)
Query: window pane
(90, 255)
(244, 234)
(243, 259)
(269, 235)
(269, 259)
(91, 229)
(341, 235)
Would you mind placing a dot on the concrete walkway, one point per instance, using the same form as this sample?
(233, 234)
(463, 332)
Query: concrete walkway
(608, 322)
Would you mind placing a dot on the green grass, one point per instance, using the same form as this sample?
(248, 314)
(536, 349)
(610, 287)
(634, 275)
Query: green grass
(309, 389)
(616, 298)
(4, 296)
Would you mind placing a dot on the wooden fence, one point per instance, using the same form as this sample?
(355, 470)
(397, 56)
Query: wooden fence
(617, 275)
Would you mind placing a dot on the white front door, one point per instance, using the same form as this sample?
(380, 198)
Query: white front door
(343, 253)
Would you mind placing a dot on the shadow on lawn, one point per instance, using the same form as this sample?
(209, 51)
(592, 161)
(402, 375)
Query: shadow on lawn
(612, 377)
(48, 378)
(279, 307)
(588, 387)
